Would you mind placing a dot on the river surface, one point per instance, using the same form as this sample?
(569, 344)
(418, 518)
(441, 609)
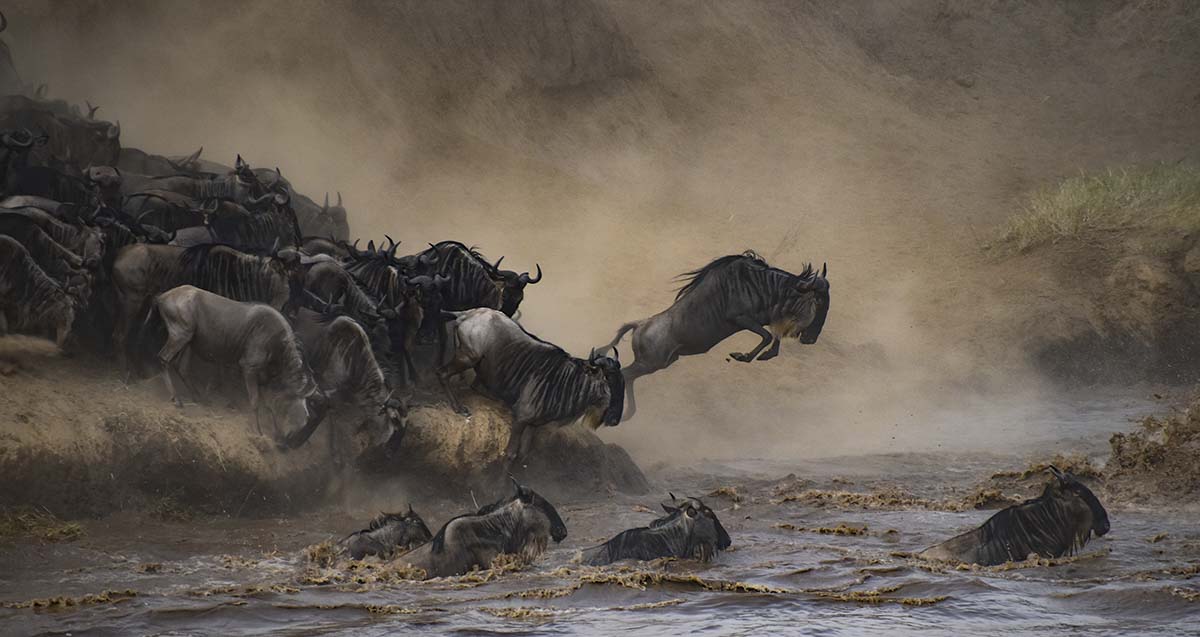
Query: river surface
(229, 576)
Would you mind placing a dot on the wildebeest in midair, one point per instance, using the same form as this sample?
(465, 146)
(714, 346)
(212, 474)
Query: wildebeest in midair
(253, 337)
(338, 351)
(522, 524)
(386, 535)
(689, 530)
(539, 381)
(1057, 523)
(29, 298)
(732, 293)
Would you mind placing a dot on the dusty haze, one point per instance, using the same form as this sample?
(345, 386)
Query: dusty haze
(621, 143)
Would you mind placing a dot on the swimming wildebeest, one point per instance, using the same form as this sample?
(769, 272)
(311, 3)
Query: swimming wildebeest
(29, 298)
(689, 530)
(733, 293)
(522, 524)
(1059, 522)
(254, 337)
(539, 381)
(386, 535)
(338, 351)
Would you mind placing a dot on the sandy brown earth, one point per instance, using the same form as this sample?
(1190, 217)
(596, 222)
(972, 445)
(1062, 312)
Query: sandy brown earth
(75, 440)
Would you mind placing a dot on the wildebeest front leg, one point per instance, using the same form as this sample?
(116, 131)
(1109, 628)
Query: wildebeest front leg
(513, 449)
(453, 368)
(177, 340)
(771, 352)
(747, 323)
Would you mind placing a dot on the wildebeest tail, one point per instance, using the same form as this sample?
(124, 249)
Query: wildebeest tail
(621, 331)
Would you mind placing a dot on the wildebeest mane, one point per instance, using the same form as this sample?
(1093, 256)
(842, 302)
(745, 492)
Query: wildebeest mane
(225, 270)
(695, 277)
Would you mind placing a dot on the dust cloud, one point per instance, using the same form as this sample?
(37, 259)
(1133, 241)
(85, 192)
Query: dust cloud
(621, 143)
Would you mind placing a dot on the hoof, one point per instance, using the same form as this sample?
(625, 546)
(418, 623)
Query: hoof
(740, 357)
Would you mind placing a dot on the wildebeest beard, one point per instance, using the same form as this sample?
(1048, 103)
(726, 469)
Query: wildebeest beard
(1057, 523)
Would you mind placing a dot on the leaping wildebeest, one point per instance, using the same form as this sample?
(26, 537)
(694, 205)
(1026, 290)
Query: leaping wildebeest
(732, 293)
(522, 524)
(251, 336)
(1057, 523)
(539, 381)
(689, 530)
(29, 298)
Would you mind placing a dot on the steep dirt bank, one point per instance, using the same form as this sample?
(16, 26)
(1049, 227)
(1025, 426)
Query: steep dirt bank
(73, 439)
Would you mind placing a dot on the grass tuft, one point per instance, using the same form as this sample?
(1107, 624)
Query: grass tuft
(1160, 196)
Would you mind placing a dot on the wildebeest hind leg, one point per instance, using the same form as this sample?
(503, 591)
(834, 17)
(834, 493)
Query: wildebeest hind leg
(177, 340)
(250, 375)
(631, 373)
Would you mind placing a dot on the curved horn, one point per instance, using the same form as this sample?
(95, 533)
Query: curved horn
(516, 484)
(410, 509)
(430, 257)
(371, 246)
(40, 91)
(258, 201)
(496, 265)
(1056, 472)
(91, 109)
(325, 206)
(339, 194)
(525, 280)
(10, 140)
(592, 356)
(3, 21)
(114, 131)
(440, 280)
(824, 269)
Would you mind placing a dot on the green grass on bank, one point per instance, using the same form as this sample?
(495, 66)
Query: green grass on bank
(1161, 196)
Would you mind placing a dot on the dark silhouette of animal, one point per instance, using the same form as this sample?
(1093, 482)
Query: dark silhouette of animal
(29, 298)
(539, 381)
(86, 241)
(689, 530)
(49, 254)
(338, 351)
(731, 294)
(1057, 523)
(473, 282)
(253, 337)
(522, 524)
(386, 535)
(75, 139)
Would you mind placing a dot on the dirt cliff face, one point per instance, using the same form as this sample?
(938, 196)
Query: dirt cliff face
(76, 441)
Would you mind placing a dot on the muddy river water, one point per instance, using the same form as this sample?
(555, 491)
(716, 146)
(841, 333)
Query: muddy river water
(810, 566)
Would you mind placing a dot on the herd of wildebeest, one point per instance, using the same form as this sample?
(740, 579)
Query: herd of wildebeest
(186, 267)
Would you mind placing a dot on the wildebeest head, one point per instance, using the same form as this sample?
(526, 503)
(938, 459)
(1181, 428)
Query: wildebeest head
(394, 410)
(107, 182)
(706, 536)
(610, 370)
(514, 286)
(1066, 485)
(410, 528)
(533, 503)
(805, 306)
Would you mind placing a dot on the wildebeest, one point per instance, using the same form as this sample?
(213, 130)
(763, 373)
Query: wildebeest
(539, 381)
(71, 137)
(29, 298)
(251, 336)
(1059, 522)
(732, 293)
(141, 271)
(386, 535)
(689, 530)
(476, 283)
(86, 241)
(338, 351)
(522, 524)
(49, 254)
